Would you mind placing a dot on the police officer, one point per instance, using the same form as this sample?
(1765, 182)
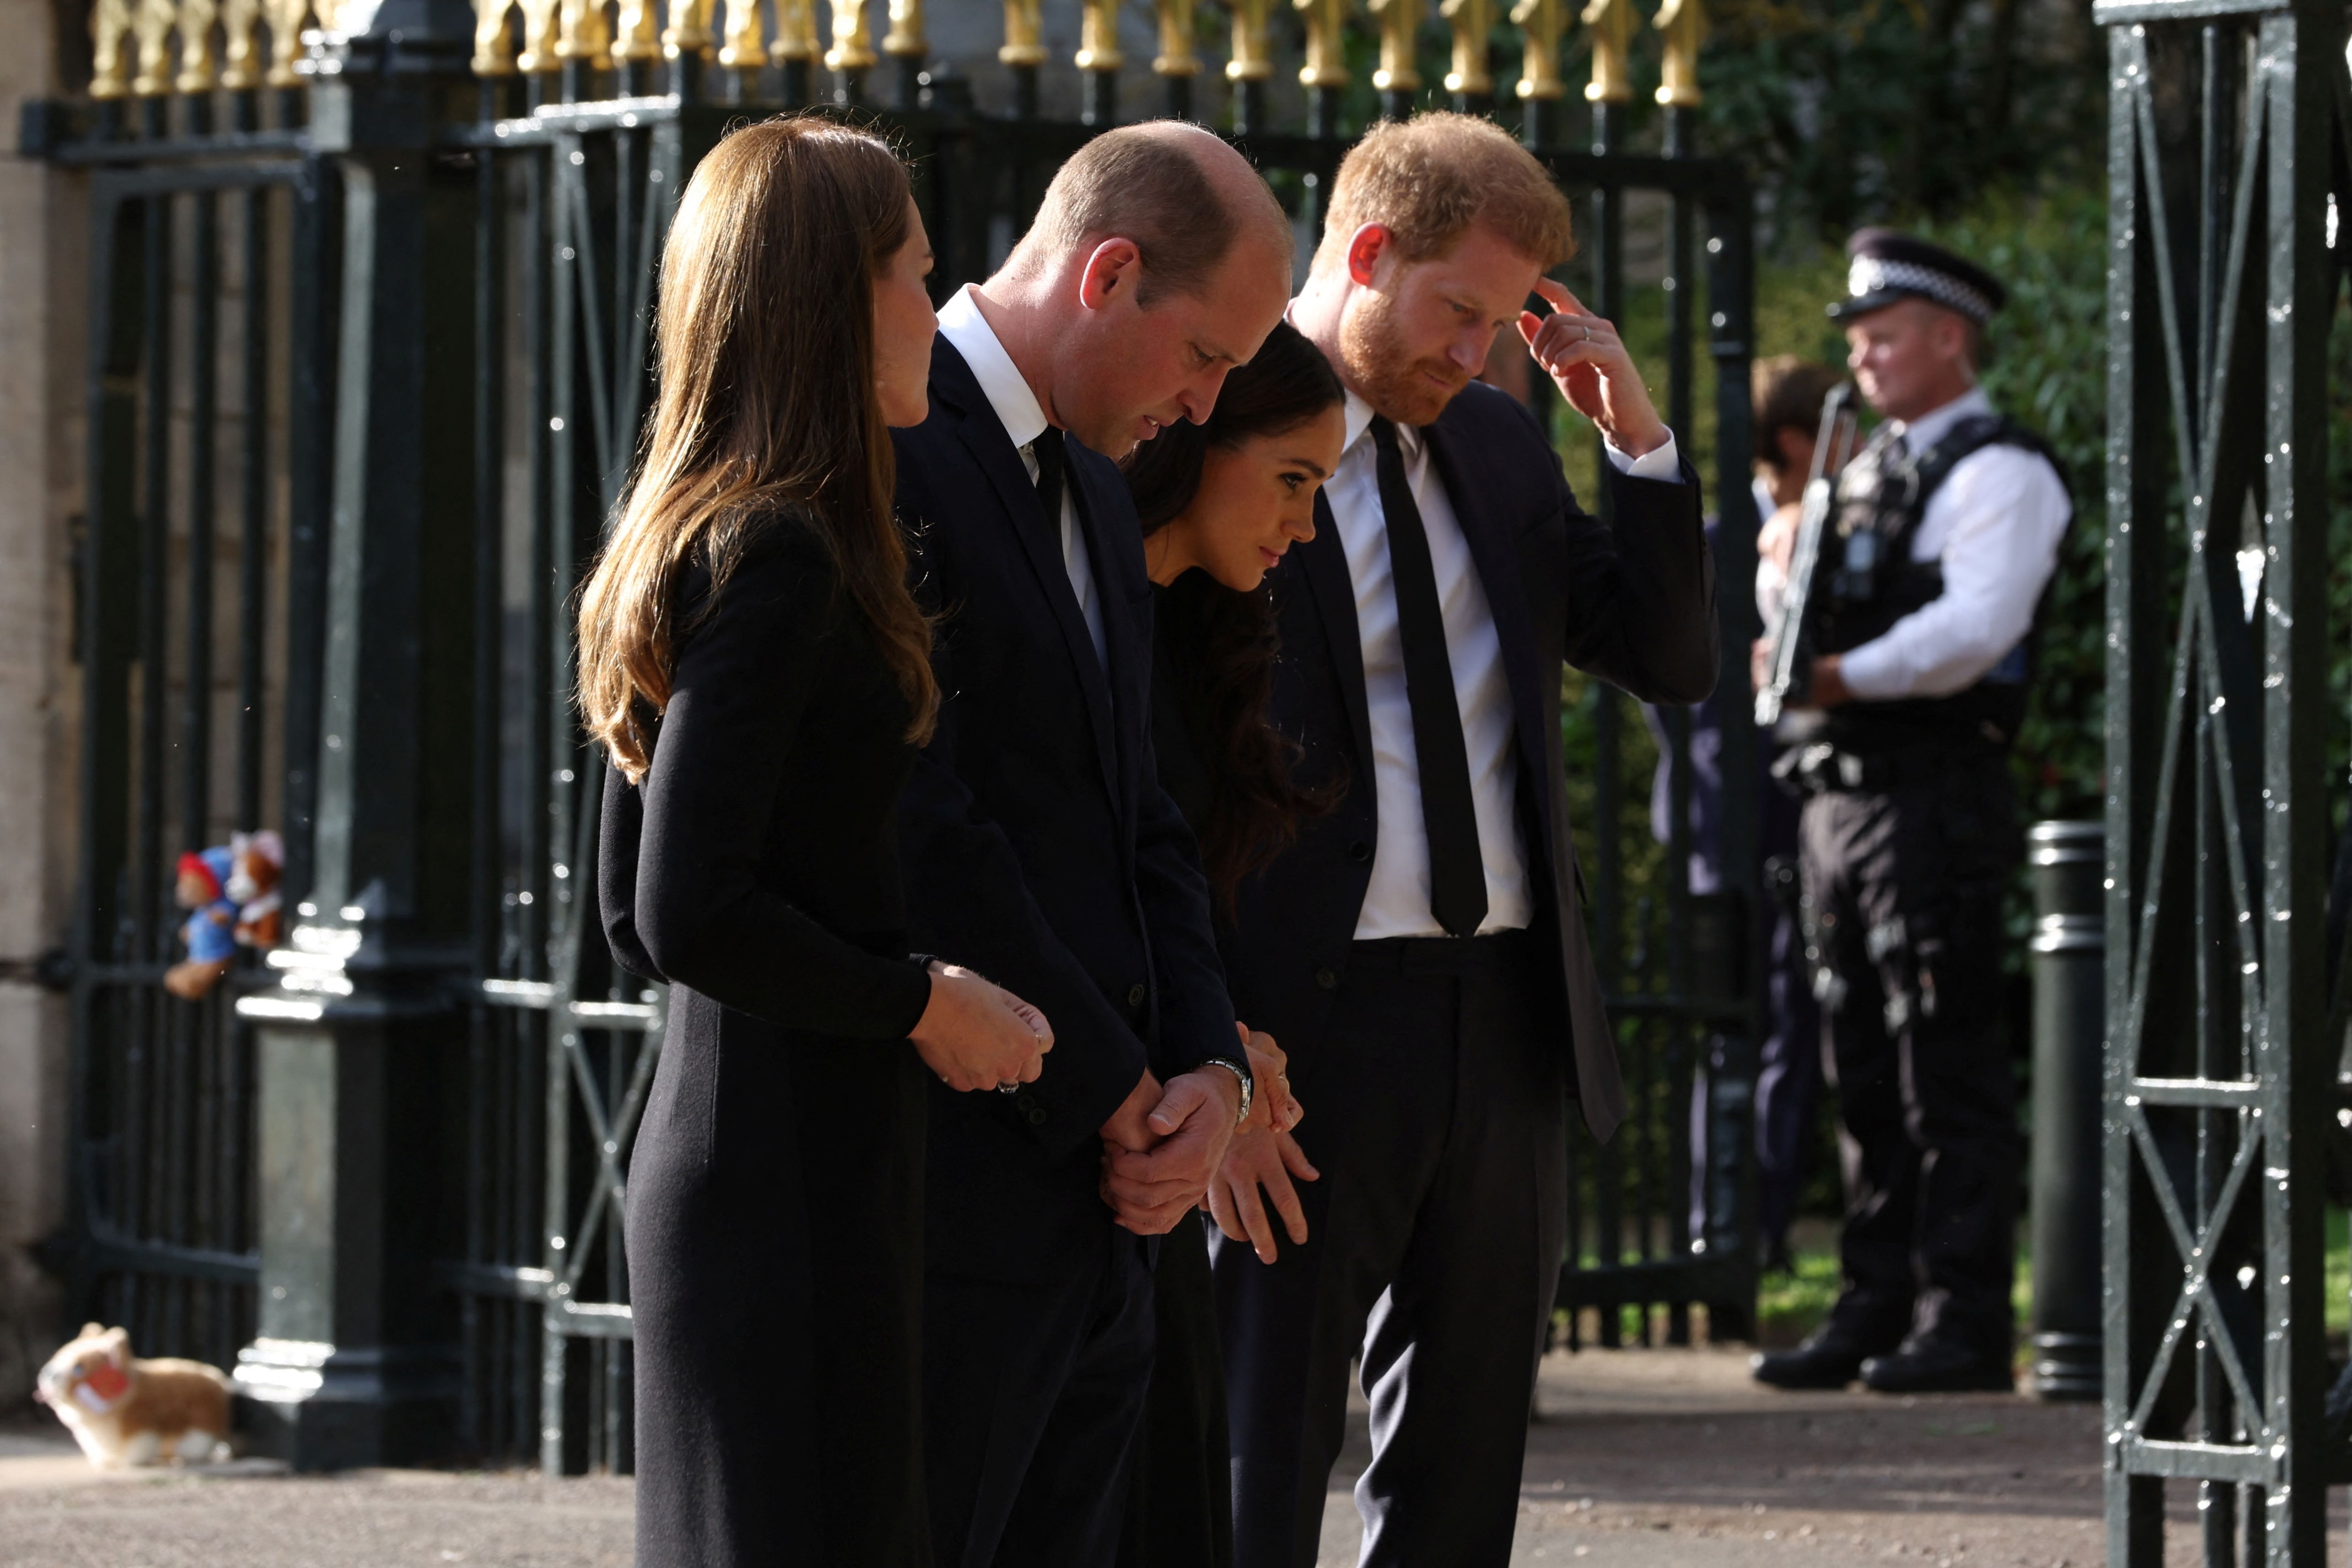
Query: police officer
(1945, 531)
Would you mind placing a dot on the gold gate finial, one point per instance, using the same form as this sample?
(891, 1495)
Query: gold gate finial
(689, 32)
(742, 40)
(1098, 37)
(197, 19)
(541, 37)
(1539, 21)
(241, 44)
(151, 24)
(1473, 21)
(1683, 23)
(853, 41)
(1326, 44)
(285, 18)
(1176, 56)
(636, 31)
(1400, 23)
(585, 35)
(1253, 43)
(1025, 42)
(493, 43)
(905, 36)
(110, 48)
(1612, 22)
(796, 37)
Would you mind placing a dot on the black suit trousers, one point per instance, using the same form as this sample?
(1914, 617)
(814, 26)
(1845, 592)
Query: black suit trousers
(1438, 1121)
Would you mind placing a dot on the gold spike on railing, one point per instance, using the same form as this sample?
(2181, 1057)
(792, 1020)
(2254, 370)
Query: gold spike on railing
(1400, 23)
(1253, 58)
(796, 37)
(493, 39)
(541, 35)
(743, 43)
(151, 24)
(689, 32)
(1098, 37)
(853, 41)
(586, 35)
(1473, 21)
(1612, 22)
(636, 31)
(1540, 23)
(110, 48)
(1327, 43)
(196, 67)
(241, 65)
(1176, 56)
(1683, 23)
(906, 37)
(1024, 41)
(285, 39)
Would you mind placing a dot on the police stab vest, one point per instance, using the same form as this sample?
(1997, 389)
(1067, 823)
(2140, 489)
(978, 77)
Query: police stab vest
(1866, 580)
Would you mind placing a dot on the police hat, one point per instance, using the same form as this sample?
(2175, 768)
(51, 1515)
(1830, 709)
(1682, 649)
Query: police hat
(1888, 266)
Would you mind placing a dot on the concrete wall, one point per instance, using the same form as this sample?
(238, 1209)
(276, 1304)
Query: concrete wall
(40, 313)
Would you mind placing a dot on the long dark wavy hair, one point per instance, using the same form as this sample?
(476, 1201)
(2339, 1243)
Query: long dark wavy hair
(1220, 645)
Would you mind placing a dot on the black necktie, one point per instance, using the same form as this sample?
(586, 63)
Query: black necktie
(1047, 451)
(1457, 874)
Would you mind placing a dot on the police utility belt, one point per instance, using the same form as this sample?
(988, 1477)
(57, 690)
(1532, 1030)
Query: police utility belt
(1864, 581)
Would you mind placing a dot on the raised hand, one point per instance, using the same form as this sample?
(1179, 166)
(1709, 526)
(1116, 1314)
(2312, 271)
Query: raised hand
(974, 1035)
(1261, 1160)
(1587, 359)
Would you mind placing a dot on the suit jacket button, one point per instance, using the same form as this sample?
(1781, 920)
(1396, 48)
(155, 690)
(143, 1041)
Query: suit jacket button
(1135, 994)
(1327, 980)
(1360, 851)
(1031, 1112)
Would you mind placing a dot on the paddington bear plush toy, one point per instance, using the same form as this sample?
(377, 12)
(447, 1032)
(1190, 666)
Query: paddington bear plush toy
(232, 890)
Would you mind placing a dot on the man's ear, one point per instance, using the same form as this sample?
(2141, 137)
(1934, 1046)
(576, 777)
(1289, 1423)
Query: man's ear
(1112, 273)
(1366, 250)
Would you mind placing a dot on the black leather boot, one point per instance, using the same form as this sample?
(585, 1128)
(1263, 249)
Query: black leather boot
(1938, 1366)
(1829, 1359)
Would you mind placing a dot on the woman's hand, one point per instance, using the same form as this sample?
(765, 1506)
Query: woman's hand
(1273, 1109)
(979, 1036)
(1260, 1161)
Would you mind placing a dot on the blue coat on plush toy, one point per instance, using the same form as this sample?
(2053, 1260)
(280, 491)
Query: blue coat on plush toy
(210, 930)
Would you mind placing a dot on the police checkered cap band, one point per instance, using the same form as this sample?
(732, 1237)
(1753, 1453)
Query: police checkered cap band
(1871, 275)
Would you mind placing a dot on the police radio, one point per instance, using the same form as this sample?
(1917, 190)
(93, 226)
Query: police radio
(1834, 447)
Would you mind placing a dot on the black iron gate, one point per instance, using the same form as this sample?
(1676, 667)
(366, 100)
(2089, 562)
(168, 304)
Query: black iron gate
(455, 363)
(2226, 169)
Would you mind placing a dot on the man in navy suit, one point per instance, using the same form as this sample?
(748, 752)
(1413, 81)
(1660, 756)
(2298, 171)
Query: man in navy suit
(1420, 952)
(1039, 847)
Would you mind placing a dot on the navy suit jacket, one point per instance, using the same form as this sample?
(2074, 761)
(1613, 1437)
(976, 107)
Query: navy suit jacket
(1039, 847)
(1632, 601)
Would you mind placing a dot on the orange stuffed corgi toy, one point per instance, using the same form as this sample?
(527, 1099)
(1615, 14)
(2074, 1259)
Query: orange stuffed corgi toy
(124, 1411)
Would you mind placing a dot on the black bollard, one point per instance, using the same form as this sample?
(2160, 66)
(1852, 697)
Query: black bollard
(2068, 861)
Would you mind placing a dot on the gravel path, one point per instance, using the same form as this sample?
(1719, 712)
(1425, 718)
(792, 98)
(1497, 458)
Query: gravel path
(1640, 1458)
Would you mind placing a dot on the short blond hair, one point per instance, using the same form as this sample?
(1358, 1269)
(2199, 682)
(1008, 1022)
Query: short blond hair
(1432, 178)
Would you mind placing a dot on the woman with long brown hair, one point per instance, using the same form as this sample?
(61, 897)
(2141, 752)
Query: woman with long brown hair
(752, 664)
(1221, 504)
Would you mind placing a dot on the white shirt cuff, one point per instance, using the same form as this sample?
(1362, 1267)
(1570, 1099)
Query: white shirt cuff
(1663, 463)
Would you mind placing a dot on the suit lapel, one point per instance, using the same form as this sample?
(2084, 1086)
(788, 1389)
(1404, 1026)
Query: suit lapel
(1323, 560)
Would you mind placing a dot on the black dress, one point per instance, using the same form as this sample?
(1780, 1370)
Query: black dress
(775, 1193)
(1179, 1500)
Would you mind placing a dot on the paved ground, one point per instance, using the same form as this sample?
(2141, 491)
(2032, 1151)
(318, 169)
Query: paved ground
(1641, 1458)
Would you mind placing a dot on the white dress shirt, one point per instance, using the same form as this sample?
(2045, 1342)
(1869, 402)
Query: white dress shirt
(1008, 393)
(1994, 523)
(1397, 902)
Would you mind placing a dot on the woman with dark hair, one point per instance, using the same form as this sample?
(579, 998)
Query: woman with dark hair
(1219, 504)
(753, 665)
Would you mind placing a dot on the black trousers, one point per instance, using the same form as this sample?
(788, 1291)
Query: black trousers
(1032, 1396)
(776, 1255)
(1436, 1114)
(1901, 897)
(1179, 1510)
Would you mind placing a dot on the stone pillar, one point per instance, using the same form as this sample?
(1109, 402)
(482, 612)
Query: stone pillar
(41, 231)
(355, 1362)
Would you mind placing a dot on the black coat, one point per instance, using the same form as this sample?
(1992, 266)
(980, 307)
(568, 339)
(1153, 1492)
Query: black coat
(1039, 847)
(1632, 601)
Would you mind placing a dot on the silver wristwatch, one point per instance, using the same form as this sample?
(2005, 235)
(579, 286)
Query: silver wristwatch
(1241, 1071)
